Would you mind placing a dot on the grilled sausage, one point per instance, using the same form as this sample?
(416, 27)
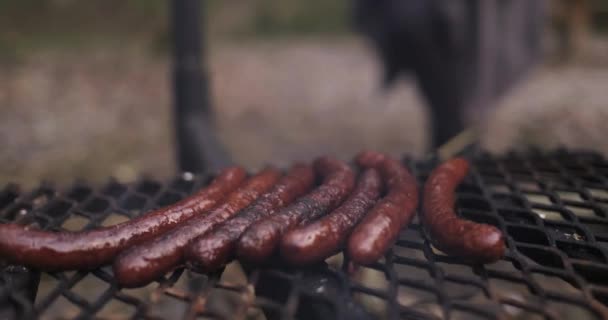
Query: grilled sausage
(380, 227)
(148, 261)
(261, 239)
(211, 251)
(316, 241)
(54, 251)
(451, 234)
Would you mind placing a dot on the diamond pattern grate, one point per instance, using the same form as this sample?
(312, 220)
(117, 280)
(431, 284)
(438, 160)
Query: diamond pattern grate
(553, 207)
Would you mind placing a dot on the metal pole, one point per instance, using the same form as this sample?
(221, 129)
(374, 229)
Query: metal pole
(197, 147)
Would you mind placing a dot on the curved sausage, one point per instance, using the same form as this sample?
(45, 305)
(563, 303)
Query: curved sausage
(450, 233)
(324, 237)
(54, 251)
(214, 249)
(380, 228)
(144, 263)
(261, 239)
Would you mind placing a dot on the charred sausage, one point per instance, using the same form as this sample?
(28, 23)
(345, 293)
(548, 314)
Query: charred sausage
(261, 239)
(450, 233)
(54, 251)
(380, 228)
(214, 249)
(316, 241)
(148, 261)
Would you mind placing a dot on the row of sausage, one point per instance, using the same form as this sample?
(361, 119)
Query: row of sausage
(303, 216)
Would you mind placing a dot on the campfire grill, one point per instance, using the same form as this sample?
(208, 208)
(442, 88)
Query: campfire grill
(553, 207)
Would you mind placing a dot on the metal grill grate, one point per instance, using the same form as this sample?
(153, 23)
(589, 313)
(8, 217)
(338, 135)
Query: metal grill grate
(553, 207)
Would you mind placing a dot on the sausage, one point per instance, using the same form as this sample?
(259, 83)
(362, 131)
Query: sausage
(55, 251)
(211, 251)
(455, 236)
(261, 239)
(380, 228)
(144, 263)
(324, 237)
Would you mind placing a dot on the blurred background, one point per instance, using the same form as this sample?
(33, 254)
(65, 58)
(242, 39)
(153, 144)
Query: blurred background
(85, 87)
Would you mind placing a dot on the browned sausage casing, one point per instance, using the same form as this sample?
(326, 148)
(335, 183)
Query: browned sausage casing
(453, 235)
(54, 251)
(261, 239)
(380, 228)
(324, 237)
(214, 249)
(144, 263)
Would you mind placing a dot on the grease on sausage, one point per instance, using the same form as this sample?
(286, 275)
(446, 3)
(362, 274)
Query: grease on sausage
(55, 251)
(324, 237)
(148, 261)
(214, 249)
(380, 228)
(453, 235)
(261, 239)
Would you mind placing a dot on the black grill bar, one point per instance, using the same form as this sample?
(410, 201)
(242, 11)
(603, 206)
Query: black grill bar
(553, 207)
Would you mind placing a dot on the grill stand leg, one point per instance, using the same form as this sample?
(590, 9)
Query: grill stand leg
(197, 145)
(22, 285)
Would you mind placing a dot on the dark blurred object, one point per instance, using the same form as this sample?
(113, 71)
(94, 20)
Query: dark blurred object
(197, 145)
(464, 53)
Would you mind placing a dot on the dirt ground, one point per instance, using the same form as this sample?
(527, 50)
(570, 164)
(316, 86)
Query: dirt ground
(106, 111)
